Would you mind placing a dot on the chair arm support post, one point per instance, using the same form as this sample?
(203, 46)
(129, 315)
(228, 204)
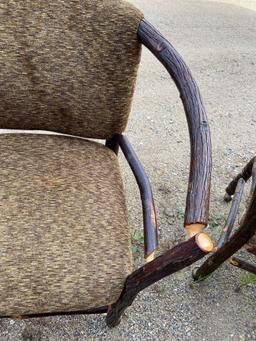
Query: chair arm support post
(148, 207)
(197, 204)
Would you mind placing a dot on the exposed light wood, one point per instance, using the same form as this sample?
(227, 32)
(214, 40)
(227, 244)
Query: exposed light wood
(204, 242)
(193, 229)
(151, 257)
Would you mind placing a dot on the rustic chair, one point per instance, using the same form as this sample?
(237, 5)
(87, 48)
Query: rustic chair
(245, 234)
(70, 67)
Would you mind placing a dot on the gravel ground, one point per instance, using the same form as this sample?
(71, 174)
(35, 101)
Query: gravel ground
(218, 41)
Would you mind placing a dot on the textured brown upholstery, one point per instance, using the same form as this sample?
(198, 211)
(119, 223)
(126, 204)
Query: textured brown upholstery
(68, 65)
(64, 237)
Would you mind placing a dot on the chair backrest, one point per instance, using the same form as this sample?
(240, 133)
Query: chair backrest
(68, 65)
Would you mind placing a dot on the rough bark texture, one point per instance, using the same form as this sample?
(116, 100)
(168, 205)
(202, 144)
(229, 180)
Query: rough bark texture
(197, 206)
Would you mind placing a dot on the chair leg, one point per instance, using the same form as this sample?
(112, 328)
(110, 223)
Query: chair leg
(116, 311)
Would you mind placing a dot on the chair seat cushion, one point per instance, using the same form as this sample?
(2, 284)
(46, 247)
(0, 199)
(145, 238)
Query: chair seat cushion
(64, 237)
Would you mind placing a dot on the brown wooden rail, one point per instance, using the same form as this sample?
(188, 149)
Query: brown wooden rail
(197, 204)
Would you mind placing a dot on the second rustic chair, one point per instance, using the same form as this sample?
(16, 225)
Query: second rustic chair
(245, 234)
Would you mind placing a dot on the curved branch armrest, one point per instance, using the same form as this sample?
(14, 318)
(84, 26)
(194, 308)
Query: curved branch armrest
(197, 204)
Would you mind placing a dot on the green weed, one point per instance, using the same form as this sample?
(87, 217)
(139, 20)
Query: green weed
(248, 279)
(137, 241)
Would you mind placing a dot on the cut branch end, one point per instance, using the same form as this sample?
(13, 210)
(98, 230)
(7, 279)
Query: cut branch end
(194, 229)
(204, 242)
(151, 257)
(233, 262)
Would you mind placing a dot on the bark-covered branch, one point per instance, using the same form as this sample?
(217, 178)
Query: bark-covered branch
(197, 205)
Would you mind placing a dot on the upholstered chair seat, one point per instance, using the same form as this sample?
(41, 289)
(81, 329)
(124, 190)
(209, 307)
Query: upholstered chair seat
(64, 235)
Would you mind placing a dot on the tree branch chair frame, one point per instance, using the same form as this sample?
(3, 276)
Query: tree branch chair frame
(197, 203)
(245, 235)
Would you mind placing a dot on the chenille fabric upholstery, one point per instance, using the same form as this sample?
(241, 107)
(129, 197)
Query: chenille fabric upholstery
(68, 65)
(64, 238)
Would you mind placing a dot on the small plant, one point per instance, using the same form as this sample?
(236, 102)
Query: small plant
(137, 237)
(137, 241)
(248, 279)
